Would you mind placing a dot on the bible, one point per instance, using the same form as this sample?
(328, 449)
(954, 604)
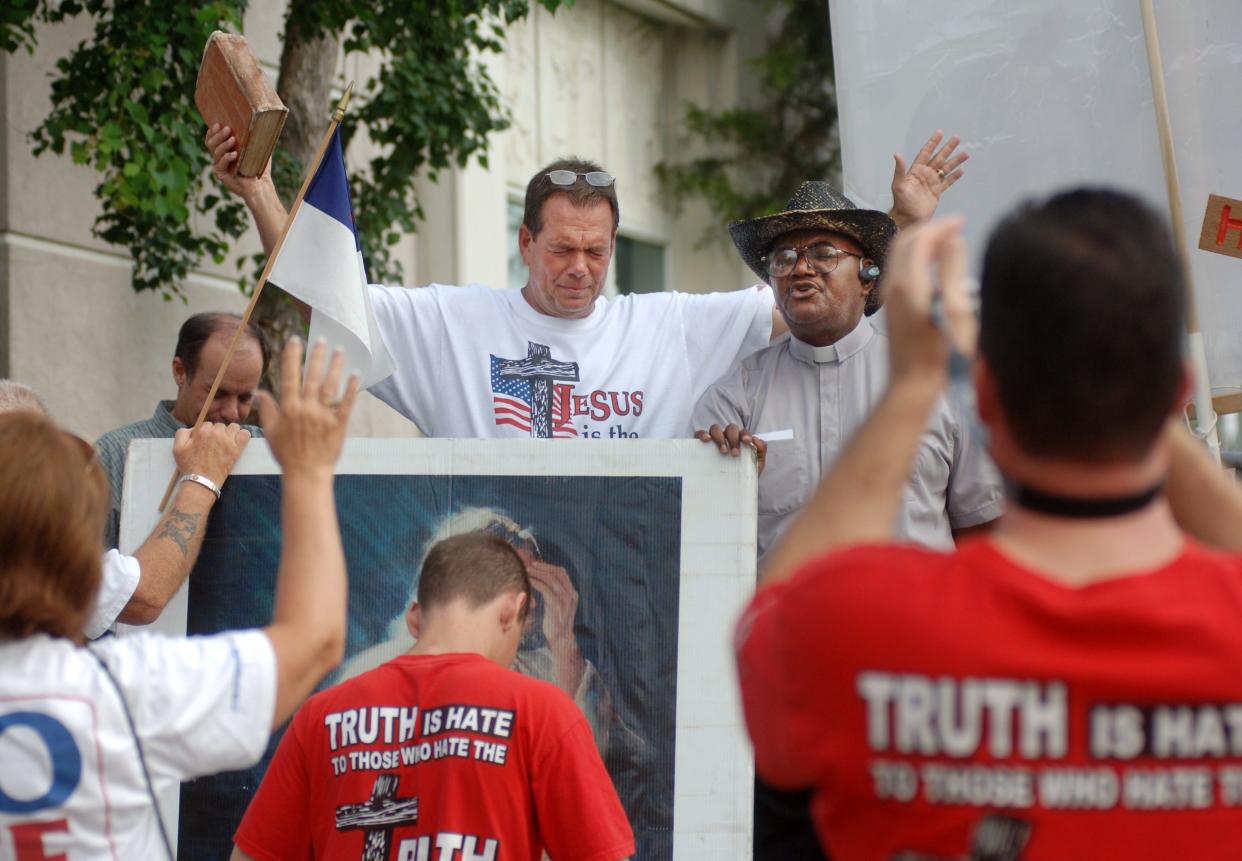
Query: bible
(233, 91)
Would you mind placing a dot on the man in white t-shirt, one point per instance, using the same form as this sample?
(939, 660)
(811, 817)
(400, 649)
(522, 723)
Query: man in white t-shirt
(554, 359)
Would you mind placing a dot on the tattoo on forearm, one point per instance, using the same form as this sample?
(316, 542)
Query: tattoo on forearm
(179, 528)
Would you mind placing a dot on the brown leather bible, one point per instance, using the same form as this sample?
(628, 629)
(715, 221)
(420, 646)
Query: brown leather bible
(233, 91)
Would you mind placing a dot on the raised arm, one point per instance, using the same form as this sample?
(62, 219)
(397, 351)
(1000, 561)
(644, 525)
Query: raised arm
(257, 192)
(1206, 501)
(168, 554)
(858, 500)
(917, 188)
(306, 433)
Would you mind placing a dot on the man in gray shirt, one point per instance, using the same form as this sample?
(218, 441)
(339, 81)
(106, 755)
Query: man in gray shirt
(804, 396)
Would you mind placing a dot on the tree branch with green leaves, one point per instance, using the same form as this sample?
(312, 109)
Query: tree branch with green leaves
(122, 102)
(755, 156)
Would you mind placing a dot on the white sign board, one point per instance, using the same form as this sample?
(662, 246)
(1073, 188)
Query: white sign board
(657, 536)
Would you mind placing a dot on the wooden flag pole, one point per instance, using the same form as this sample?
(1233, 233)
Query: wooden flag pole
(337, 116)
(1205, 416)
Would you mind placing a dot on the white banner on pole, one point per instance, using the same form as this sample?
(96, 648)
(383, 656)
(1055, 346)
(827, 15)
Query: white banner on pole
(1048, 94)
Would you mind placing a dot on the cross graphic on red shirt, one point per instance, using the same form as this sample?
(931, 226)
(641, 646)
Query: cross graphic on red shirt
(378, 816)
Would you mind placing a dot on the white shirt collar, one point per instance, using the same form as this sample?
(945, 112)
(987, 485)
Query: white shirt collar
(845, 346)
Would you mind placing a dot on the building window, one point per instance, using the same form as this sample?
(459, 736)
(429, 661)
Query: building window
(639, 266)
(517, 269)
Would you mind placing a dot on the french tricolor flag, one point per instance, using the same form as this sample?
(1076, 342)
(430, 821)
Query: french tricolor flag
(320, 263)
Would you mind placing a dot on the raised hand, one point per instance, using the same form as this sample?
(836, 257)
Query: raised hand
(917, 188)
(306, 431)
(222, 145)
(926, 320)
(258, 192)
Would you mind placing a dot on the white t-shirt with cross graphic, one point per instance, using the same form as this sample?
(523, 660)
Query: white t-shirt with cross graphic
(477, 362)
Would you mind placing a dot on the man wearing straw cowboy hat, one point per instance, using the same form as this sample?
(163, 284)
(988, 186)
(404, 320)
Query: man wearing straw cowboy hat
(808, 393)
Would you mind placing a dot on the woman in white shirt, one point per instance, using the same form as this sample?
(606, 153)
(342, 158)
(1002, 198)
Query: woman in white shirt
(90, 735)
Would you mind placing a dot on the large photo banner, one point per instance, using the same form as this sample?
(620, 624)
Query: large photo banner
(644, 554)
(1048, 94)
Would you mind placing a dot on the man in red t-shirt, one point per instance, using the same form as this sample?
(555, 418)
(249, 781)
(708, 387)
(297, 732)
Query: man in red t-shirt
(442, 754)
(1068, 687)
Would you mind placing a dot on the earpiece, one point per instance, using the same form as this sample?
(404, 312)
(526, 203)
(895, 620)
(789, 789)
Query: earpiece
(868, 271)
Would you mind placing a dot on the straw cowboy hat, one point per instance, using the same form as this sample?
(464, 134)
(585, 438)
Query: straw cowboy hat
(815, 205)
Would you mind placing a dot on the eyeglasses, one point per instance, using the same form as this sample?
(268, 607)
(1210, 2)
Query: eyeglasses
(597, 178)
(823, 258)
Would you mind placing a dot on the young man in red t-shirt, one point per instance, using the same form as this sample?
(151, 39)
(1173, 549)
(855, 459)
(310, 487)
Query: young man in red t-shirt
(1068, 687)
(442, 754)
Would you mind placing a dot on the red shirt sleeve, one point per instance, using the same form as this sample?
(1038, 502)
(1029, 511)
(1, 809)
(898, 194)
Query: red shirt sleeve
(769, 678)
(277, 824)
(576, 805)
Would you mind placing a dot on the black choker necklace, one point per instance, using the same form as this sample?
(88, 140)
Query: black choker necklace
(1078, 506)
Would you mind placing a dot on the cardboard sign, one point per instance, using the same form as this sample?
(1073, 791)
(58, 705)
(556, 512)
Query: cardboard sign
(1222, 226)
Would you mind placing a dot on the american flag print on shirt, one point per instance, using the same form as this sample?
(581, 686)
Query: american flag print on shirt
(511, 404)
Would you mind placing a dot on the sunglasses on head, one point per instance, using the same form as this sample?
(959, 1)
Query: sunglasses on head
(597, 178)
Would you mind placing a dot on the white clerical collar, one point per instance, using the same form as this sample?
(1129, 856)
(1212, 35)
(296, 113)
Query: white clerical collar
(845, 346)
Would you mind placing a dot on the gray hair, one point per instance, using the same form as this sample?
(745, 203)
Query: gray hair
(15, 396)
